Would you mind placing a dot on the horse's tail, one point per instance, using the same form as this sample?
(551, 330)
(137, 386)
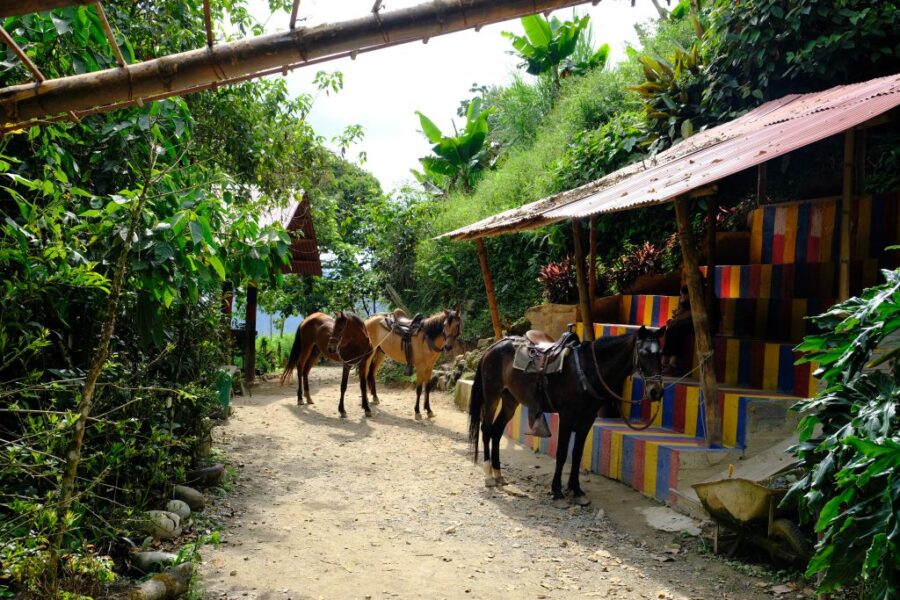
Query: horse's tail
(293, 359)
(476, 407)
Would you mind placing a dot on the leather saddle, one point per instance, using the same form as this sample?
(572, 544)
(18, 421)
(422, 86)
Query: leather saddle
(406, 329)
(540, 353)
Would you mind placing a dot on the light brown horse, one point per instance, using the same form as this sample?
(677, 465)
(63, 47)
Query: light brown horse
(340, 339)
(438, 333)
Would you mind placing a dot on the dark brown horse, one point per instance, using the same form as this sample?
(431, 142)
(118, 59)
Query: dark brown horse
(438, 333)
(340, 339)
(590, 372)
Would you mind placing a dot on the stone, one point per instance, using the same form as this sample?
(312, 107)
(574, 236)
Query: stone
(145, 562)
(180, 508)
(206, 476)
(164, 524)
(484, 343)
(194, 499)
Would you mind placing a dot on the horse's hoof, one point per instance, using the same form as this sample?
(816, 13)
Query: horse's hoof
(561, 503)
(581, 500)
(343, 415)
(418, 416)
(368, 413)
(430, 414)
(375, 402)
(500, 480)
(489, 481)
(309, 401)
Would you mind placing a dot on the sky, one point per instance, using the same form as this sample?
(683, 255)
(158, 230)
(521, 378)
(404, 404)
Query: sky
(383, 89)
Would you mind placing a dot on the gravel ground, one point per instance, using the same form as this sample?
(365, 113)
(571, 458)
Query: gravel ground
(391, 507)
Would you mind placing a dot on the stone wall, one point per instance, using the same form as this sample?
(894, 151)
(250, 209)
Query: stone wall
(552, 319)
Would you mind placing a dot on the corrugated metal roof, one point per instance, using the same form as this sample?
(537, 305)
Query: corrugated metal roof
(770, 130)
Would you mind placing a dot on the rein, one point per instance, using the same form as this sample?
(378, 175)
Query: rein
(637, 367)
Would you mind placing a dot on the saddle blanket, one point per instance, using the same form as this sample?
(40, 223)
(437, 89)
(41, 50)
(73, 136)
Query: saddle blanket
(531, 359)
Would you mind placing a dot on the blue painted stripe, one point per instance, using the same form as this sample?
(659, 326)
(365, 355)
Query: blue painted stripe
(627, 458)
(768, 234)
(741, 436)
(663, 461)
(785, 369)
(802, 233)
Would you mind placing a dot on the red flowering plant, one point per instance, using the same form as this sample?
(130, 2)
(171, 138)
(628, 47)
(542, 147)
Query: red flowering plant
(558, 281)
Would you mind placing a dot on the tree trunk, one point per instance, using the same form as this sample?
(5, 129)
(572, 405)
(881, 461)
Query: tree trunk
(663, 13)
(583, 298)
(700, 318)
(250, 335)
(73, 452)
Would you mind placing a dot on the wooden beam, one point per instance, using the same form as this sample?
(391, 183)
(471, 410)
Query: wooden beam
(250, 336)
(12, 8)
(762, 184)
(846, 208)
(17, 50)
(207, 24)
(711, 214)
(109, 35)
(489, 288)
(592, 261)
(294, 10)
(180, 72)
(584, 301)
(700, 317)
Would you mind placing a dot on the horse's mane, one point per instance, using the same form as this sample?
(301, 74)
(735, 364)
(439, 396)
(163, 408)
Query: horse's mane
(433, 326)
(610, 343)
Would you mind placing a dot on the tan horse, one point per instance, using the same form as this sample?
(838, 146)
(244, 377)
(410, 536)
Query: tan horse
(438, 333)
(340, 339)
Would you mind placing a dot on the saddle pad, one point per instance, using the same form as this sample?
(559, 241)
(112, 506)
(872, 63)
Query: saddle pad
(530, 359)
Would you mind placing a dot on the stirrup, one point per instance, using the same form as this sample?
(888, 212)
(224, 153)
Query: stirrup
(539, 427)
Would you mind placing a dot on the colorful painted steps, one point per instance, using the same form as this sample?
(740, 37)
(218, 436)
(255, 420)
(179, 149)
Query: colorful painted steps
(809, 231)
(775, 319)
(750, 418)
(650, 461)
(746, 362)
(792, 280)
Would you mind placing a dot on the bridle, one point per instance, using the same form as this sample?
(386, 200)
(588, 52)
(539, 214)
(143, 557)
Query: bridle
(334, 345)
(636, 368)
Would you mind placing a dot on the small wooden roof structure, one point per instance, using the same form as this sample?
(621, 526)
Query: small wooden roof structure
(43, 100)
(771, 130)
(296, 218)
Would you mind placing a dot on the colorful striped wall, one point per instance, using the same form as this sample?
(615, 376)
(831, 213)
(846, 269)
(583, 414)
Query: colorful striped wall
(809, 232)
(652, 311)
(816, 280)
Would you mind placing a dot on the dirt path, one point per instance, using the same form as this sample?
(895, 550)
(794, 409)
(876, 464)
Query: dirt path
(390, 507)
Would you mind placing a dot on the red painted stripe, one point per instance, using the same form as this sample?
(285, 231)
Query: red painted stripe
(554, 439)
(673, 476)
(605, 441)
(639, 316)
(757, 363)
(778, 249)
(637, 470)
(755, 271)
(680, 408)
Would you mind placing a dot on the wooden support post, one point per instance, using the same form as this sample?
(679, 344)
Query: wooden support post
(761, 184)
(846, 208)
(250, 336)
(711, 213)
(592, 261)
(584, 301)
(489, 288)
(700, 318)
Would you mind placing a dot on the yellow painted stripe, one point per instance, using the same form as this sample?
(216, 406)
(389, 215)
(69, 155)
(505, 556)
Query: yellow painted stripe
(579, 329)
(625, 309)
(516, 424)
(770, 367)
(792, 214)
(691, 410)
(734, 283)
(615, 456)
(730, 421)
(650, 459)
(588, 450)
(828, 226)
(756, 237)
(732, 360)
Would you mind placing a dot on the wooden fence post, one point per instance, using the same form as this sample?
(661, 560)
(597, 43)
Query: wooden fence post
(584, 300)
(704, 346)
(489, 288)
(846, 208)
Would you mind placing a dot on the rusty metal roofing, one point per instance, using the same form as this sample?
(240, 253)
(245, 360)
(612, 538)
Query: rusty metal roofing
(771, 130)
(296, 218)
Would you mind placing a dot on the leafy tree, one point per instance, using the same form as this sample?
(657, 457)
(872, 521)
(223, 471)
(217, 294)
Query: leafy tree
(850, 444)
(546, 44)
(458, 158)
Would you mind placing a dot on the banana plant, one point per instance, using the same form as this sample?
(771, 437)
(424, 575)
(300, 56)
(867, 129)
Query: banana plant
(546, 44)
(457, 159)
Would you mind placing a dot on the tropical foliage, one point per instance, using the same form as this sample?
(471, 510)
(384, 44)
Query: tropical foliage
(850, 444)
(546, 44)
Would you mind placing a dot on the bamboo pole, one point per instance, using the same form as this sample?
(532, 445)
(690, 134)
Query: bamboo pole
(110, 37)
(250, 336)
(489, 288)
(846, 207)
(229, 60)
(711, 210)
(592, 261)
(583, 296)
(12, 8)
(700, 318)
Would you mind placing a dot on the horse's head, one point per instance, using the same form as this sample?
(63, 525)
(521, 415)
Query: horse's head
(452, 327)
(340, 324)
(648, 360)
